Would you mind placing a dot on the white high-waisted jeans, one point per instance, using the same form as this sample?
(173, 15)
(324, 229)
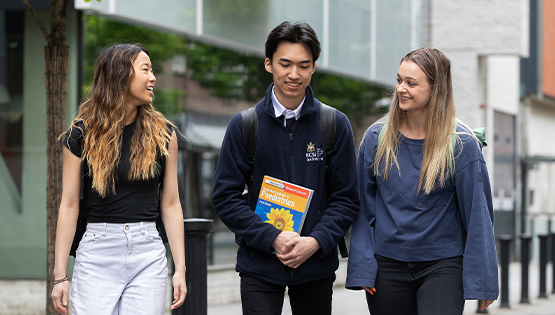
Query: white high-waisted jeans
(120, 269)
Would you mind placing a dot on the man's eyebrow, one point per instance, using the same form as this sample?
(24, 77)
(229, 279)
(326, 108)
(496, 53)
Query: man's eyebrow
(287, 60)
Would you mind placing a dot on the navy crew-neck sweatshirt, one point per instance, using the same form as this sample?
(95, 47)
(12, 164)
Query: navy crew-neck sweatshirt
(397, 222)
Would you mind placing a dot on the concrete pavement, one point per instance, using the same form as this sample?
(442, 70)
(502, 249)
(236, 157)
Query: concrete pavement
(347, 302)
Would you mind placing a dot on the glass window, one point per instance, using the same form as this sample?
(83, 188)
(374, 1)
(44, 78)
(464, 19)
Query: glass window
(176, 15)
(240, 21)
(11, 112)
(309, 11)
(393, 37)
(348, 50)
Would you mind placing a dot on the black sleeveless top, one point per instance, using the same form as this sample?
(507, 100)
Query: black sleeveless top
(134, 201)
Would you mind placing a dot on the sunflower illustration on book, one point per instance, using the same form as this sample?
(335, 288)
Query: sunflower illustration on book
(282, 219)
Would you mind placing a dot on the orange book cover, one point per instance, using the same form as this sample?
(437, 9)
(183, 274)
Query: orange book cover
(282, 204)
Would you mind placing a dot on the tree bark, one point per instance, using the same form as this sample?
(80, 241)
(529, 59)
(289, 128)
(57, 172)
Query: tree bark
(56, 58)
(56, 55)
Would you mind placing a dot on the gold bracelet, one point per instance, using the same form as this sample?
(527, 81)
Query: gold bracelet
(64, 279)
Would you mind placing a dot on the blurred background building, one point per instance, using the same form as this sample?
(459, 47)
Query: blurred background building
(208, 58)
(536, 123)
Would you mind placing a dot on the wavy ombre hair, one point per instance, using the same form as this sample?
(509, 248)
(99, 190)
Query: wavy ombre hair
(103, 115)
(438, 157)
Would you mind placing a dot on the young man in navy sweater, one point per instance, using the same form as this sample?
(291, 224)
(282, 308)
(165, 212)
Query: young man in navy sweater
(289, 147)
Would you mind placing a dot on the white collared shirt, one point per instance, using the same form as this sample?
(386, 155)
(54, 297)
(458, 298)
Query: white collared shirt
(281, 110)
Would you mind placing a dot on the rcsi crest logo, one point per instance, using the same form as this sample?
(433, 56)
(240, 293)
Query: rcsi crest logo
(314, 154)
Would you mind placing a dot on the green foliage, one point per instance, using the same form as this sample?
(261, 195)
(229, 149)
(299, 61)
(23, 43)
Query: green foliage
(167, 101)
(101, 32)
(227, 73)
(354, 98)
(224, 17)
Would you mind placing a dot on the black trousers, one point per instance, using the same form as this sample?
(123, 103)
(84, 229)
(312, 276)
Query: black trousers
(418, 288)
(262, 298)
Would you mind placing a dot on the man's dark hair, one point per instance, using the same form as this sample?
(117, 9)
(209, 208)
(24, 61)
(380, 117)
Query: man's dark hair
(296, 33)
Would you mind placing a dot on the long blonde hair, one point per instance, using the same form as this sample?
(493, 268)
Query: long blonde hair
(438, 157)
(103, 115)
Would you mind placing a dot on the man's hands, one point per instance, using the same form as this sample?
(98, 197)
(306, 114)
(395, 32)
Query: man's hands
(293, 250)
(282, 239)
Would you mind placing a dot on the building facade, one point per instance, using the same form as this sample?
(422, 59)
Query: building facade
(23, 136)
(485, 41)
(537, 112)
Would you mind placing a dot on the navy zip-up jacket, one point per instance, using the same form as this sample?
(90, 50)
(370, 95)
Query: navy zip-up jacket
(283, 155)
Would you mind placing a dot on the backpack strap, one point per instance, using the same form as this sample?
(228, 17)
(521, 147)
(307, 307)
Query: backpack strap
(480, 134)
(250, 136)
(327, 133)
(327, 128)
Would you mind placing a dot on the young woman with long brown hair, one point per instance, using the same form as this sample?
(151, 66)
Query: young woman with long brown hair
(129, 150)
(423, 241)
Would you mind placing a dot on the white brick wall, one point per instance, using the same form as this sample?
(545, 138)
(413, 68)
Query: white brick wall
(503, 83)
(485, 27)
(469, 30)
(466, 87)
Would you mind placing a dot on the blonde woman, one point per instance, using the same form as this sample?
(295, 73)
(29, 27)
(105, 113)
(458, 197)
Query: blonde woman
(423, 241)
(129, 149)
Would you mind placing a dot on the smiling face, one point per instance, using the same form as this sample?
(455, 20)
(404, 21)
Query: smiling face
(413, 88)
(142, 84)
(292, 67)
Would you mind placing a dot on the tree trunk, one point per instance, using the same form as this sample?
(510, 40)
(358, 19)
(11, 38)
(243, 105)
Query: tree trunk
(56, 58)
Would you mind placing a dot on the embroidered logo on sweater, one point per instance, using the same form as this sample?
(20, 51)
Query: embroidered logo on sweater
(313, 153)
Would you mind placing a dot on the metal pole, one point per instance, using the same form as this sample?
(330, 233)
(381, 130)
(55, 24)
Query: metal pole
(196, 234)
(525, 240)
(505, 241)
(552, 237)
(543, 266)
(523, 194)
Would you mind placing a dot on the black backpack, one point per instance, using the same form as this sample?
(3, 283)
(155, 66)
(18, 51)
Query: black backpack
(250, 135)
